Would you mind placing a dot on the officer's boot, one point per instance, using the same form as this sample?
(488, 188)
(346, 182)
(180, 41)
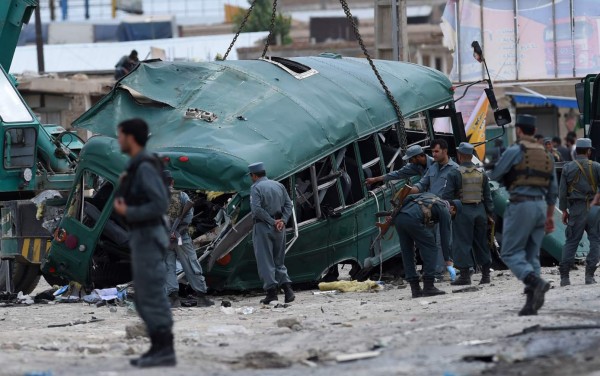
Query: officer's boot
(429, 289)
(164, 353)
(289, 293)
(564, 274)
(271, 296)
(415, 287)
(174, 299)
(589, 274)
(202, 300)
(463, 279)
(485, 274)
(527, 309)
(539, 287)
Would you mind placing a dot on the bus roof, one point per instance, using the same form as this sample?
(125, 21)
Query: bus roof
(264, 113)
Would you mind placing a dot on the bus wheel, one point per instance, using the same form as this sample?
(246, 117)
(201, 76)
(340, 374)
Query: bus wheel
(25, 277)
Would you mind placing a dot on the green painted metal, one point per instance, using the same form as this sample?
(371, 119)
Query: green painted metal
(262, 110)
(13, 15)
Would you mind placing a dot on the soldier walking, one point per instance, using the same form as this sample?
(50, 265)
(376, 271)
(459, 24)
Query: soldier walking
(184, 252)
(527, 171)
(271, 209)
(470, 185)
(143, 200)
(578, 190)
(415, 224)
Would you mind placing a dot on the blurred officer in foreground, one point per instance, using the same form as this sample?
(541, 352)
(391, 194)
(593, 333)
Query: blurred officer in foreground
(271, 209)
(527, 172)
(143, 200)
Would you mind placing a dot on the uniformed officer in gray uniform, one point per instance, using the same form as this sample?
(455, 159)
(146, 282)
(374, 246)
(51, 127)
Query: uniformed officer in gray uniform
(143, 200)
(271, 209)
(418, 163)
(527, 171)
(578, 189)
(470, 185)
(184, 252)
(415, 224)
(434, 181)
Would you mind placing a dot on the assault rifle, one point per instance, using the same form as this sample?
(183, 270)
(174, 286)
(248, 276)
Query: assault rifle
(397, 201)
(175, 236)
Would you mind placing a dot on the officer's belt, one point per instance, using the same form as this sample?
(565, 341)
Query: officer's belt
(523, 198)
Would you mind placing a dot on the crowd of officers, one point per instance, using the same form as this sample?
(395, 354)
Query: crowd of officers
(450, 210)
(445, 218)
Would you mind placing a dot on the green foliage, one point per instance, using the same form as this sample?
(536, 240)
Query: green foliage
(260, 20)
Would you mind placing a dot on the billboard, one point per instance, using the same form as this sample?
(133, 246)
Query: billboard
(524, 39)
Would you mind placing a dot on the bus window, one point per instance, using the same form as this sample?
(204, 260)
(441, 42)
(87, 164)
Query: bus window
(369, 156)
(350, 166)
(390, 149)
(90, 197)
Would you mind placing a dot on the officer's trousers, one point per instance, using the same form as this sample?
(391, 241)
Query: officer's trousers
(269, 250)
(522, 235)
(578, 223)
(148, 247)
(191, 267)
(469, 237)
(411, 231)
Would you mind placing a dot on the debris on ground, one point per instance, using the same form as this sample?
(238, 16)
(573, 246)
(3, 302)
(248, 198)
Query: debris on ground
(264, 360)
(78, 322)
(357, 356)
(136, 331)
(467, 289)
(351, 286)
(291, 323)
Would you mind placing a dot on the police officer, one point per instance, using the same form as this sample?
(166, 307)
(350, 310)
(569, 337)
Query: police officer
(434, 181)
(470, 185)
(271, 209)
(527, 171)
(184, 252)
(415, 225)
(143, 200)
(578, 189)
(418, 163)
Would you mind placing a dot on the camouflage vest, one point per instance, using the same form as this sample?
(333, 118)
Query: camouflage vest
(175, 204)
(472, 185)
(535, 170)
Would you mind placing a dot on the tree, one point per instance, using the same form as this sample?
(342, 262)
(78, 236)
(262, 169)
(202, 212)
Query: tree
(260, 20)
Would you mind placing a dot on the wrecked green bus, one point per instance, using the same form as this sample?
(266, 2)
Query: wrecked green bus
(321, 125)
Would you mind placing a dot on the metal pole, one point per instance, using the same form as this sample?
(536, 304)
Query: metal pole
(572, 23)
(315, 189)
(516, 36)
(395, 31)
(39, 42)
(403, 31)
(52, 14)
(87, 9)
(458, 59)
(481, 33)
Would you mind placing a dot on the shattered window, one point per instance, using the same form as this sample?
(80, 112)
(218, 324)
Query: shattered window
(350, 166)
(371, 161)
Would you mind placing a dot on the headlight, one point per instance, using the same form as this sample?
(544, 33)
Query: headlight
(27, 174)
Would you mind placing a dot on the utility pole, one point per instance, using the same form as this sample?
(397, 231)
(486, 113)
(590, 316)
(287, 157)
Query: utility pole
(391, 33)
(39, 41)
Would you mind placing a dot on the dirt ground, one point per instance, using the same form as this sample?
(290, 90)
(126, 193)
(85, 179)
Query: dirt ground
(467, 333)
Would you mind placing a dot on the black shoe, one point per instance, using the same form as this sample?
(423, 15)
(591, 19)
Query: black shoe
(174, 299)
(485, 275)
(415, 288)
(539, 287)
(161, 354)
(203, 301)
(589, 275)
(289, 293)
(464, 278)
(564, 275)
(430, 290)
(528, 309)
(271, 296)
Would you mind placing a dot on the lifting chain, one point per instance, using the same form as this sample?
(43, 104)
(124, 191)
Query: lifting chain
(271, 27)
(245, 20)
(237, 34)
(388, 93)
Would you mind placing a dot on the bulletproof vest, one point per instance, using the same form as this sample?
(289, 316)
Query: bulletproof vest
(472, 185)
(589, 177)
(175, 204)
(426, 203)
(126, 180)
(535, 170)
